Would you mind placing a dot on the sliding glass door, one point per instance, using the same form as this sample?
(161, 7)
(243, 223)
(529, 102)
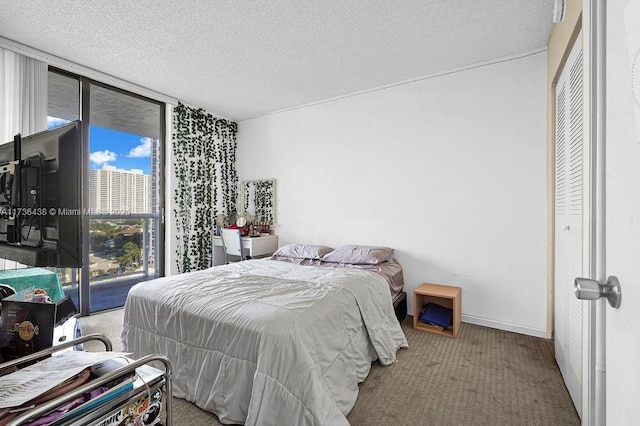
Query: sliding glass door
(123, 189)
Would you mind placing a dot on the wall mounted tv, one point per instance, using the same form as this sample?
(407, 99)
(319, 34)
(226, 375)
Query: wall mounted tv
(41, 198)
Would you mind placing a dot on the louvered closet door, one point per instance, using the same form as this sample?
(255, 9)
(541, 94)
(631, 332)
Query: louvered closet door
(568, 222)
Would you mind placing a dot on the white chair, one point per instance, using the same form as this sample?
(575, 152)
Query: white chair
(232, 244)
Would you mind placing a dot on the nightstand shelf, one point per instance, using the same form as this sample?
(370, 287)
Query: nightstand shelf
(443, 295)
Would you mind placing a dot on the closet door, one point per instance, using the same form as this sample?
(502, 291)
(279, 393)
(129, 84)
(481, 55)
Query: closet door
(568, 222)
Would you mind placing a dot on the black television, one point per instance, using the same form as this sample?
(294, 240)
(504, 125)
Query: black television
(41, 198)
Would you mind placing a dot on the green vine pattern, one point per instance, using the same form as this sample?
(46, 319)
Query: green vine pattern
(245, 191)
(204, 149)
(263, 198)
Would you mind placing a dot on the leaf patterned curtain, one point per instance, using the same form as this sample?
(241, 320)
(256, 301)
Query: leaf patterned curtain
(264, 200)
(204, 149)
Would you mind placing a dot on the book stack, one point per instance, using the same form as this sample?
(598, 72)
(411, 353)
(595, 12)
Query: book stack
(139, 404)
(124, 396)
(436, 316)
(132, 399)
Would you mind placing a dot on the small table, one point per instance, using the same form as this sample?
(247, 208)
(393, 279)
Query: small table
(443, 295)
(262, 246)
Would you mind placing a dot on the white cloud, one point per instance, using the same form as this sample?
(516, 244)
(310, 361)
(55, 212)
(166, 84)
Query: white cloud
(141, 151)
(102, 157)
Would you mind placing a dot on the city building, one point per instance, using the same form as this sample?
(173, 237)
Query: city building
(117, 191)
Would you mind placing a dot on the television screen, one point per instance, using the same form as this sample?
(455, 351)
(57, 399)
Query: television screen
(41, 198)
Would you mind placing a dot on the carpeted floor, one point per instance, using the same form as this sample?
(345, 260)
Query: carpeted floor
(483, 377)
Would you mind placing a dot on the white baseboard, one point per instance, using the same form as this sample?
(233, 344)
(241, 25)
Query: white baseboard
(515, 328)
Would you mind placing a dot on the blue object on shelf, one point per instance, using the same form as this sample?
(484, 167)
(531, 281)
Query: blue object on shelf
(437, 315)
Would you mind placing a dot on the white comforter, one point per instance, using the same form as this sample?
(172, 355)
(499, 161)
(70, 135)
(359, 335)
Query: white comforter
(263, 342)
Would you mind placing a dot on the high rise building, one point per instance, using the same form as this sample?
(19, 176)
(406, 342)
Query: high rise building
(117, 191)
(155, 175)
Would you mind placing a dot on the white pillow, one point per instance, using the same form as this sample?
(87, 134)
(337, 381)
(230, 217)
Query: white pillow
(358, 255)
(302, 251)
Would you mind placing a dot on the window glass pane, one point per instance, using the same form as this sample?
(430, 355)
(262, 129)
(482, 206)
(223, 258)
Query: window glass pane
(123, 193)
(64, 100)
(112, 109)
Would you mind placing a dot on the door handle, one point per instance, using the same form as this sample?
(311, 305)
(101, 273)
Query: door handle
(587, 289)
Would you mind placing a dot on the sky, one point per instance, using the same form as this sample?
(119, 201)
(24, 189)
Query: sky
(122, 150)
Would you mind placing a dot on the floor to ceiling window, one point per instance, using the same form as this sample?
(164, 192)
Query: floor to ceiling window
(123, 199)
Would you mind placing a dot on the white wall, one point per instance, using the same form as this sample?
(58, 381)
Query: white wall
(450, 171)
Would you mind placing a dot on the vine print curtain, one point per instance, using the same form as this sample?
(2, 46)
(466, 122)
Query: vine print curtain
(204, 149)
(264, 198)
(258, 196)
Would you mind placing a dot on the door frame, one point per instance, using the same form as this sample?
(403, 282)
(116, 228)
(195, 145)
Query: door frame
(582, 16)
(594, 355)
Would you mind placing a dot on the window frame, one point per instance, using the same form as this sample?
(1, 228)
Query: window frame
(85, 84)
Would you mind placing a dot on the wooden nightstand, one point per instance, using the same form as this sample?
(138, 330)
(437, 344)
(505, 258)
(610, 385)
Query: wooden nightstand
(444, 295)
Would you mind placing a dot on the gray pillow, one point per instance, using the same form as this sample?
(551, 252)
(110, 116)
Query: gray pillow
(358, 255)
(302, 251)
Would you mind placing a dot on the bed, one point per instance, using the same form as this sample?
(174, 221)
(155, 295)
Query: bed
(284, 340)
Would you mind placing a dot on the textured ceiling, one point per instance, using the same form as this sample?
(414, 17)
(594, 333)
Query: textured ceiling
(243, 59)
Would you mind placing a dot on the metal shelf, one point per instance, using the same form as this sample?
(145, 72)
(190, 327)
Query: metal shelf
(120, 372)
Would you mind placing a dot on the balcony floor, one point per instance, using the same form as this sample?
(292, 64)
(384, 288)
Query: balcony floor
(105, 295)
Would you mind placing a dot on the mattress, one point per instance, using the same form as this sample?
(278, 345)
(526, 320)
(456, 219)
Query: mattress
(267, 342)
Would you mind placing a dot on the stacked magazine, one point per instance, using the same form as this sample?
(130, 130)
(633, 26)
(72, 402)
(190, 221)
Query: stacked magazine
(131, 397)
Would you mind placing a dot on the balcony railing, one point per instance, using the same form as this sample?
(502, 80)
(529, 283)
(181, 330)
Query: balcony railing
(150, 251)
